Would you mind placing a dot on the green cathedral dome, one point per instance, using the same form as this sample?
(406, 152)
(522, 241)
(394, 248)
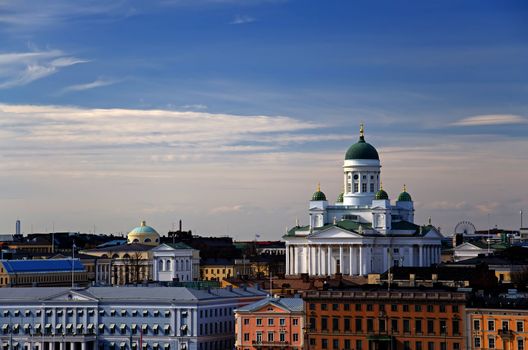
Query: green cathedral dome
(404, 196)
(381, 194)
(318, 195)
(361, 149)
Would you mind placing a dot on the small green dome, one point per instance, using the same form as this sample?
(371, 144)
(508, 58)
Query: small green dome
(381, 194)
(318, 196)
(404, 196)
(361, 149)
(340, 198)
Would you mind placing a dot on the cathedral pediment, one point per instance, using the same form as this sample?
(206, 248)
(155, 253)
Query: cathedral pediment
(333, 232)
(433, 233)
(71, 296)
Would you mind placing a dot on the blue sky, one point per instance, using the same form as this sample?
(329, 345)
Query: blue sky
(226, 113)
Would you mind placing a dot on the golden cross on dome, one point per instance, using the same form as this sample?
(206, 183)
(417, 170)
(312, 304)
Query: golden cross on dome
(361, 130)
(318, 187)
(404, 188)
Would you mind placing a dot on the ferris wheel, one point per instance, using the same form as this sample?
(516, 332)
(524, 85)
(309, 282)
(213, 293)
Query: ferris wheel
(465, 228)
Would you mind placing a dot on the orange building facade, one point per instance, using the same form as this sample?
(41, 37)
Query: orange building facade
(270, 324)
(385, 320)
(501, 329)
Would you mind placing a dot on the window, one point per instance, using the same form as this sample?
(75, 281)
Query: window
(359, 324)
(491, 325)
(456, 346)
(246, 321)
(394, 307)
(335, 307)
(359, 345)
(282, 337)
(270, 321)
(476, 325)
(259, 337)
(324, 343)
(295, 337)
(282, 321)
(476, 342)
(335, 344)
(370, 325)
(405, 308)
(406, 345)
(491, 343)
(335, 324)
(418, 345)
(356, 187)
(363, 187)
(520, 344)
(347, 307)
(430, 326)
(455, 308)
(442, 308)
(358, 307)
(324, 323)
(430, 345)
(505, 325)
(430, 308)
(381, 325)
(371, 187)
(312, 341)
(346, 324)
(259, 322)
(312, 306)
(370, 307)
(394, 326)
(323, 307)
(443, 327)
(520, 326)
(246, 336)
(455, 324)
(418, 308)
(418, 326)
(407, 326)
(443, 346)
(312, 323)
(347, 344)
(295, 321)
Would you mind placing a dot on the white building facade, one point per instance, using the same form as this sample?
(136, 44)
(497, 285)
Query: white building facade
(362, 232)
(175, 262)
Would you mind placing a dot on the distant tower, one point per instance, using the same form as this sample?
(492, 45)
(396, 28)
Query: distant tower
(17, 227)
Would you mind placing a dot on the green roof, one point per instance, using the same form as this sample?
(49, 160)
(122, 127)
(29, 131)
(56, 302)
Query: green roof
(404, 197)
(179, 245)
(381, 194)
(318, 196)
(361, 150)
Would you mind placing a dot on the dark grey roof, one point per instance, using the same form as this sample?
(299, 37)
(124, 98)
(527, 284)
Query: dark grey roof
(133, 247)
(129, 294)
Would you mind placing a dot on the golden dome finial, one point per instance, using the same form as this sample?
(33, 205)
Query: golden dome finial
(318, 187)
(381, 185)
(143, 223)
(361, 130)
(404, 188)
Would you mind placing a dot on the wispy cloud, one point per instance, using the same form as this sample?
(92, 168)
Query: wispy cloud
(88, 86)
(491, 119)
(22, 68)
(242, 19)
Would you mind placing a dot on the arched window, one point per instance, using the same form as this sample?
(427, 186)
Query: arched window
(147, 240)
(135, 240)
(176, 265)
(160, 265)
(115, 256)
(182, 264)
(187, 265)
(168, 265)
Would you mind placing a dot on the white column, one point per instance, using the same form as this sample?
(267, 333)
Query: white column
(329, 260)
(361, 271)
(309, 259)
(366, 260)
(287, 262)
(420, 255)
(411, 257)
(306, 250)
(296, 259)
(350, 259)
(83, 345)
(341, 263)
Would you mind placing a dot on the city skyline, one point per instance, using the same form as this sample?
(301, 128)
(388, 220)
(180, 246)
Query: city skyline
(226, 114)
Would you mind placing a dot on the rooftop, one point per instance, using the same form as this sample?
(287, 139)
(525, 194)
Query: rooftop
(42, 265)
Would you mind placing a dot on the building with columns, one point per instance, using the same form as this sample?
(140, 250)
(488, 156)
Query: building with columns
(362, 232)
(121, 318)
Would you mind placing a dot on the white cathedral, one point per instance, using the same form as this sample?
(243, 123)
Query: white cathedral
(362, 232)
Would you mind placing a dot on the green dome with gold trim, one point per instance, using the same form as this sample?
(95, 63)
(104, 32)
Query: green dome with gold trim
(404, 196)
(318, 195)
(361, 149)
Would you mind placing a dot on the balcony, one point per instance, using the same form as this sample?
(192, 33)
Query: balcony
(257, 343)
(506, 334)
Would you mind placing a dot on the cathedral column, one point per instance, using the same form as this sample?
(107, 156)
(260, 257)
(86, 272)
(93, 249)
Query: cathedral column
(411, 256)
(306, 251)
(420, 255)
(361, 260)
(341, 264)
(287, 261)
(350, 255)
(329, 260)
(319, 259)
